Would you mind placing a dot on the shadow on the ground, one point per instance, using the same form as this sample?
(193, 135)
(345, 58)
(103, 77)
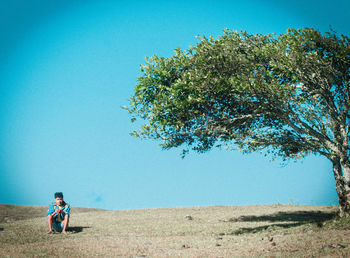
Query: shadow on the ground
(76, 229)
(262, 228)
(300, 216)
(290, 219)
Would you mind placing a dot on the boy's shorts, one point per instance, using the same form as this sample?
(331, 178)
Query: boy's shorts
(58, 226)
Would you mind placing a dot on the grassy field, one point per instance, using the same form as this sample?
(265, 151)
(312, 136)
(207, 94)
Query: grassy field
(237, 231)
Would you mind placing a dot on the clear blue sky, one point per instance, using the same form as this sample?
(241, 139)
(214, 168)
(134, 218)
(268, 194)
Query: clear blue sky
(66, 67)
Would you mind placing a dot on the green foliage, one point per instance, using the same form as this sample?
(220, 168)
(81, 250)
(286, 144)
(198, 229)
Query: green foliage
(288, 94)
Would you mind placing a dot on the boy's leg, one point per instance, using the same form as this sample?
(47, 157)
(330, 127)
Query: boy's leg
(65, 223)
(50, 221)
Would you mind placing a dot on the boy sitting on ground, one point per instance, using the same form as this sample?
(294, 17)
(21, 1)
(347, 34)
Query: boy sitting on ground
(58, 214)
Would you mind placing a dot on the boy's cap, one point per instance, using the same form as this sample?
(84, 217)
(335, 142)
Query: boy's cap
(58, 195)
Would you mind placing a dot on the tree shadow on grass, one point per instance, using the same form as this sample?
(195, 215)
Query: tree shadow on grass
(300, 216)
(290, 219)
(75, 230)
(263, 228)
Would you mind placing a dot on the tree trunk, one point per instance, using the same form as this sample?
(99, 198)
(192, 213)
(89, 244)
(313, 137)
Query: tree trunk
(342, 183)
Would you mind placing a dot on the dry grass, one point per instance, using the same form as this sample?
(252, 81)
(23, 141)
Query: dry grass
(267, 230)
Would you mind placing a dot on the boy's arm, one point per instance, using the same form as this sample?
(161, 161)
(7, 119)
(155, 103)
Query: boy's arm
(51, 210)
(66, 209)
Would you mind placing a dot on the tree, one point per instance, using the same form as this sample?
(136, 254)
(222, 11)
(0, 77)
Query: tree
(286, 94)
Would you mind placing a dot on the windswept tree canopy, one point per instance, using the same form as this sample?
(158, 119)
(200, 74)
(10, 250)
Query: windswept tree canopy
(288, 94)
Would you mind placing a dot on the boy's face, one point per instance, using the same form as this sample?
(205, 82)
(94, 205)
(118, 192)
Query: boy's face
(58, 200)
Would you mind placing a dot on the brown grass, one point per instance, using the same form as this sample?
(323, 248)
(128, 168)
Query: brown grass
(266, 230)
